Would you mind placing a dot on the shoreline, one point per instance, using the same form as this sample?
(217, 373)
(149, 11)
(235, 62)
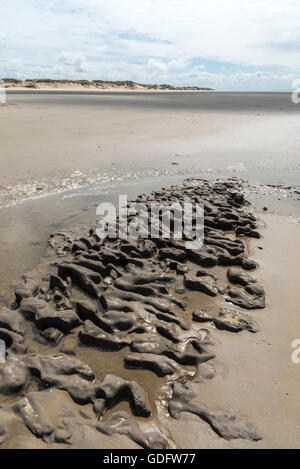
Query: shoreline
(26, 225)
(118, 90)
(35, 190)
(104, 90)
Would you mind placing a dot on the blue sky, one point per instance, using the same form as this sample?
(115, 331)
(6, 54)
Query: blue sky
(227, 45)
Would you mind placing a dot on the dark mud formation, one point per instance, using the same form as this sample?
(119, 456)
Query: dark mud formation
(142, 299)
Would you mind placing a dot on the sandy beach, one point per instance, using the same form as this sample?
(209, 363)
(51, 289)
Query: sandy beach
(127, 344)
(149, 230)
(59, 141)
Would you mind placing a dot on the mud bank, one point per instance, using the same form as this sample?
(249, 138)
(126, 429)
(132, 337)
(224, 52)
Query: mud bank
(127, 343)
(109, 343)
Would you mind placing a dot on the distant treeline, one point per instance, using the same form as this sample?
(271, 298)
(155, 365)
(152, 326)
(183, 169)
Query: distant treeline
(33, 83)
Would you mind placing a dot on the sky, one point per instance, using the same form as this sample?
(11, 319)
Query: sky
(222, 44)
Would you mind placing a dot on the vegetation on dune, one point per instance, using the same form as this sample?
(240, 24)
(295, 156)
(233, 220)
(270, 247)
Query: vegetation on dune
(11, 80)
(35, 82)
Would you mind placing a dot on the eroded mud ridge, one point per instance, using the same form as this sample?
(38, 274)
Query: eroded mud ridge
(116, 339)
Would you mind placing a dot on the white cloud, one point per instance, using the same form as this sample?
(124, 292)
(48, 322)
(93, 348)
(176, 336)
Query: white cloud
(74, 61)
(240, 31)
(3, 39)
(193, 42)
(157, 65)
(71, 58)
(169, 65)
(13, 67)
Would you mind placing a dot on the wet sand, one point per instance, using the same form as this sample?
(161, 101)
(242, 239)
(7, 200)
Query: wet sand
(255, 378)
(59, 141)
(105, 359)
(255, 372)
(254, 136)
